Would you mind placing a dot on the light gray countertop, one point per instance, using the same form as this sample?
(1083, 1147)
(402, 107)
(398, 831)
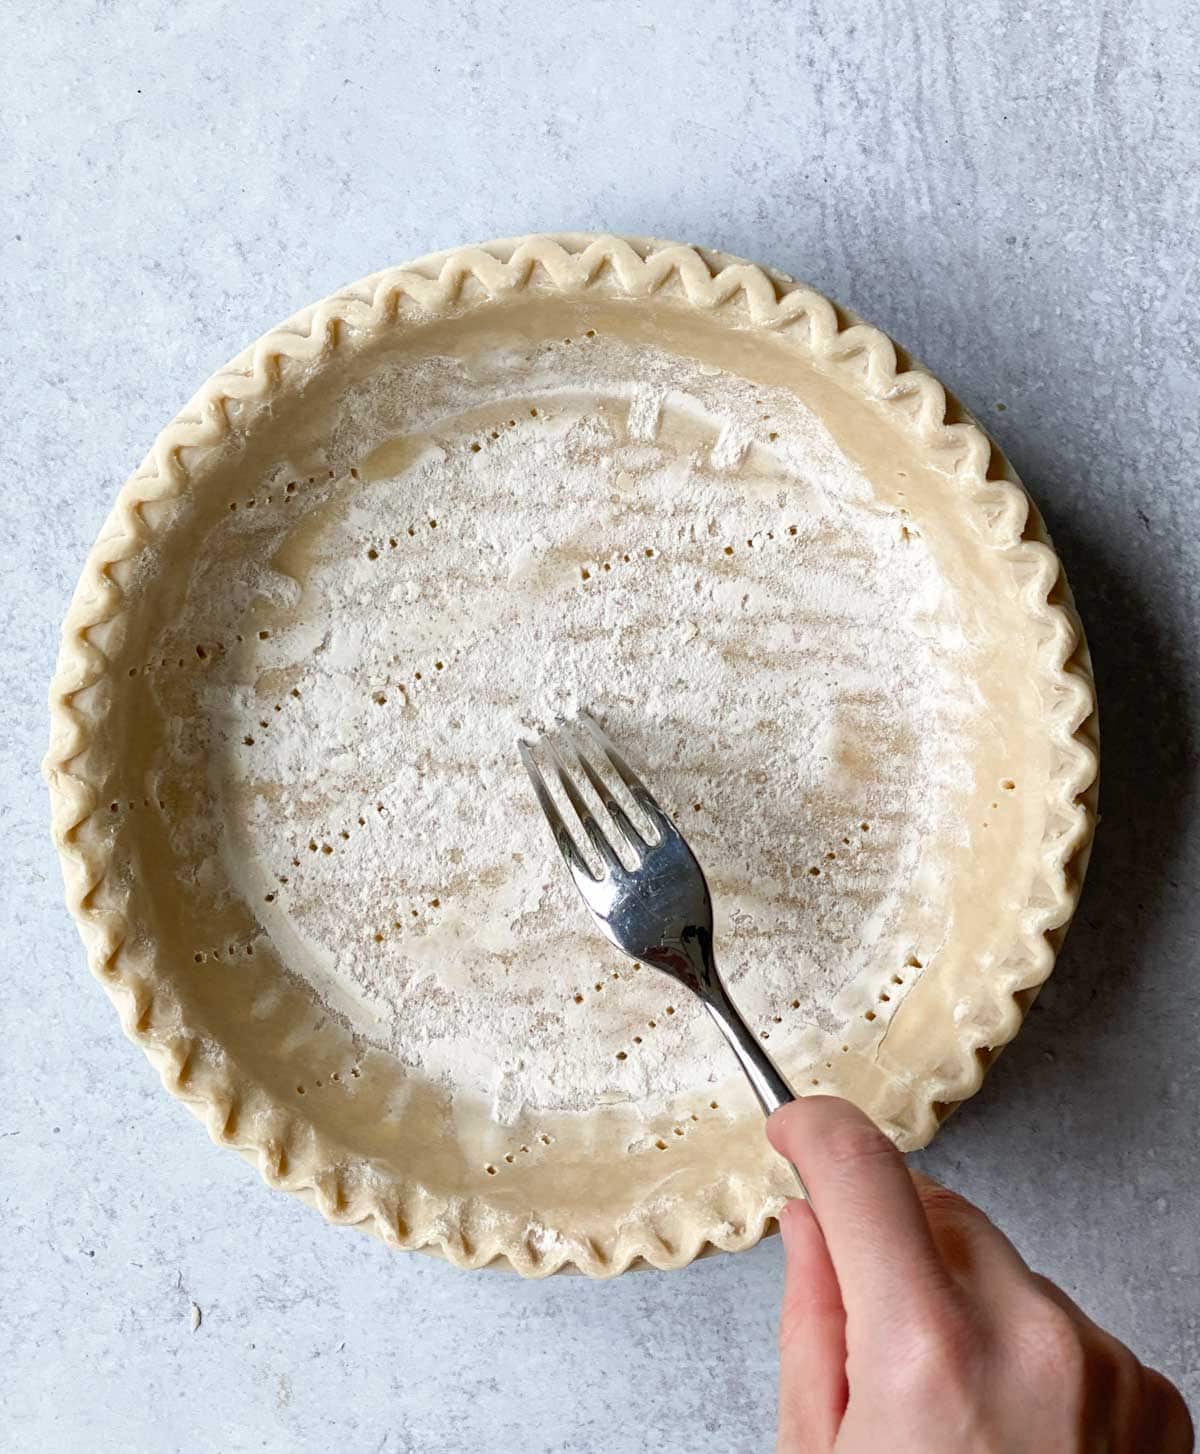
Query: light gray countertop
(1015, 200)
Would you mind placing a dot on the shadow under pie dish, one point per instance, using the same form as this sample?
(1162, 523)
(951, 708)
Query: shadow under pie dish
(431, 513)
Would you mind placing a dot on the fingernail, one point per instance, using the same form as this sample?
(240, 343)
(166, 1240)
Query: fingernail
(787, 1222)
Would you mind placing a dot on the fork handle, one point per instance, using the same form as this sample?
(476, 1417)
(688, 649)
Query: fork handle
(766, 1079)
(764, 1075)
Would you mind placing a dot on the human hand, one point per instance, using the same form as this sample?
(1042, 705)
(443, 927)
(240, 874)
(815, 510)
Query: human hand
(911, 1325)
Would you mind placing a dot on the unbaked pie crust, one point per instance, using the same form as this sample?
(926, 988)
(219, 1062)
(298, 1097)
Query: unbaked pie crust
(798, 582)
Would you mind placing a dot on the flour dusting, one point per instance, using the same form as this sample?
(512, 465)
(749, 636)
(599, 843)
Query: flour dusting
(521, 534)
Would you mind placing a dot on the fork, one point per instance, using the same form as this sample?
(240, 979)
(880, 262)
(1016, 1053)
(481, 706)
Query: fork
(659, 911)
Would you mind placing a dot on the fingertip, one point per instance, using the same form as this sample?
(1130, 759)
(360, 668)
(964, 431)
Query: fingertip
(795, 1221)
(785, 1125)
(779, 1124)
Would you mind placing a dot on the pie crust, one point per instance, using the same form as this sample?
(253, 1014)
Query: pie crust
(200, 960)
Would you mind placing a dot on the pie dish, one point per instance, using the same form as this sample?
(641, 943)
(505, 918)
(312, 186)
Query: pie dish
(793, 576)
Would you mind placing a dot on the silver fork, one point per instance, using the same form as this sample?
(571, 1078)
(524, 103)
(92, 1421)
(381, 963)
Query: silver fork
(658, 912)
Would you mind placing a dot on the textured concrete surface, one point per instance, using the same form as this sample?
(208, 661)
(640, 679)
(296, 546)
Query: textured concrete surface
(1016, 200)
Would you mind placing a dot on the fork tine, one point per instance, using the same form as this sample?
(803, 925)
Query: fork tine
(641, 793)
(591, 825)
(637, 841)
(562, 834)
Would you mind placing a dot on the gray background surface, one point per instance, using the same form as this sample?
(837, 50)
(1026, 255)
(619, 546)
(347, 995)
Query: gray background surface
(1014, 199)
